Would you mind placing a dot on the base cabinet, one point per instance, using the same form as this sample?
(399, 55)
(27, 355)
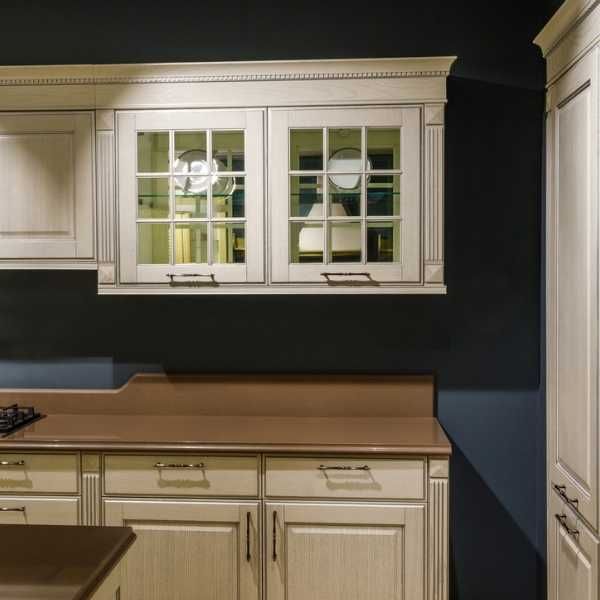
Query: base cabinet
(189, 550)
(345, 551)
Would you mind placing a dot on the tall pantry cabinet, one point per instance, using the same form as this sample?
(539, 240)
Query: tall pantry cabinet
(570, 43)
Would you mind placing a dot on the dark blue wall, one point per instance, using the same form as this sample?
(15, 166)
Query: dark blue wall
(482, 340)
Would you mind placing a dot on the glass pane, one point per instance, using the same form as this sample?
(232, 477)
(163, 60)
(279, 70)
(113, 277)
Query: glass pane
(153, 243)
(229, 244)
(306, 196)
(383, 241)
(383, 195)
(306, 149)
(191, 243)
(344, 242)
(344, 195)
(191, 198)
(228, 150)
(153, 198)
(383, 148)
(189, 146)
(153, 152)
(306, 242)
(228, 197)
(344, 150)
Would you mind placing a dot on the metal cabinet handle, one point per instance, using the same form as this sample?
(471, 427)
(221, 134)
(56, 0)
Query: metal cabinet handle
(211, 279)
(329, 275)
(561, 490)
(10, 509)
(248, 555)
(274, 535)
(344, 468)
(160, 465)
(8, 463)
(562, 519)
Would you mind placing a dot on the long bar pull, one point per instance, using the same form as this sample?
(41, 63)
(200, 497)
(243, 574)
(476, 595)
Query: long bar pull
(344, 468)
(9, 463)
(10, 509)
(189, 283)
(331, 278)
(562, 519)
(561, 490)
(274, 535)
(248, 555)
(160, 465)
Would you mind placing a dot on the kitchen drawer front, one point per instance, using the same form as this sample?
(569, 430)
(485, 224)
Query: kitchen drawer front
(180, 475)
(39, 473)
(16, 510)
(339, 477)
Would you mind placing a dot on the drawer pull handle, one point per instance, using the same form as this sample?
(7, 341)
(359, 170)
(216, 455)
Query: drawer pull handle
(10, 509)
(331, 279)
(8, 463)
(160, 465)
(192, 283)
(274, 535)
(248, 555)
(562, 519)
(344, 468)
(561, 490)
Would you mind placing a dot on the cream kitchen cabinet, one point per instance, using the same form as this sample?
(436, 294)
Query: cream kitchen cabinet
(321, 177)
(345, 551)
(572, 555)
(190, 549)
(570, 45)
(47, 210)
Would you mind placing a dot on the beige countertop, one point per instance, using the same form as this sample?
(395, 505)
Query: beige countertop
(52, 562)
(395, 435)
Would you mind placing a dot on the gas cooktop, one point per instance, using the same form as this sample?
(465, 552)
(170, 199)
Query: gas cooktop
(14, 417)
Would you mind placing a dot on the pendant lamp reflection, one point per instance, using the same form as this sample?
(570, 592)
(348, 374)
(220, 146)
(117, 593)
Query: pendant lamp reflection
(193, 175)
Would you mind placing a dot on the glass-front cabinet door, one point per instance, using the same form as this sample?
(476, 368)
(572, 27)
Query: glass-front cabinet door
(345, 195)
(190, 190)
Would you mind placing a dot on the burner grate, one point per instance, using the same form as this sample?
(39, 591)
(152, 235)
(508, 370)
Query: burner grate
(15, 416)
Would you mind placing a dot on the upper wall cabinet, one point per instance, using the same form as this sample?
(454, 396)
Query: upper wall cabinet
(46, 190)
(231, 178)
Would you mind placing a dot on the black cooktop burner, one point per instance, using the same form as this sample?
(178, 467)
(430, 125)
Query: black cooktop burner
(14, 417)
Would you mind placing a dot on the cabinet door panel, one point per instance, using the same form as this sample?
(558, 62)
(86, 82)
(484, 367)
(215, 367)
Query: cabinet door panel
(572, 557)
(187, 550)
(46, 186)
(183, 217)
(345, 195)
(572, 289)
(345, 552)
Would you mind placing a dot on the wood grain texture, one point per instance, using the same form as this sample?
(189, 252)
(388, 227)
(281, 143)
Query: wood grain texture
(105, 191)
(434, 200)
(385, 479)
(572, 559)
(572, 287)
(39, 473)
(437, 537)
(220, 475)
(345, 552)
(39, 510)
(184, 547)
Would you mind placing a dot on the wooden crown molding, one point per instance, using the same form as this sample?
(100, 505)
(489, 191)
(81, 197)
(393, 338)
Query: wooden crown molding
(563, 21)
(386, 68)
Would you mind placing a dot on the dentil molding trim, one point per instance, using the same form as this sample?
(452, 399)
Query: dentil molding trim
(386, 68)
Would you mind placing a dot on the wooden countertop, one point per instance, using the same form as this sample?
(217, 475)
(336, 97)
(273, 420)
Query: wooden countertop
(52, 562)
(395, 435)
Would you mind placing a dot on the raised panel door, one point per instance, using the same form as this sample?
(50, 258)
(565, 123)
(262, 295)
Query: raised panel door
(572, 289)
(189, 550)
(345, 552)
